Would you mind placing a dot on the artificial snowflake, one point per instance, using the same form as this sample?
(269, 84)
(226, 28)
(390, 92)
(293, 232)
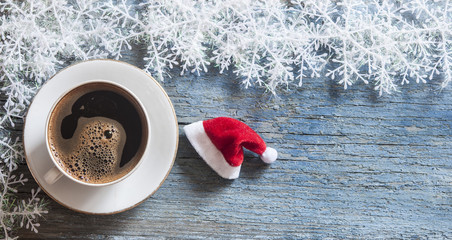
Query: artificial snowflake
(37, 38)
(274, 44)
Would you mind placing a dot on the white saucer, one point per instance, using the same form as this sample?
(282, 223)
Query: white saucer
(158, 158)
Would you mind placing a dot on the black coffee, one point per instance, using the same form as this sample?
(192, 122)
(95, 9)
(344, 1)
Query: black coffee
(97, 132)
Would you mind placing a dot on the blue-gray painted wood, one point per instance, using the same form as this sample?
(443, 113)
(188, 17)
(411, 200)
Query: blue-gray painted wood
(351, 165)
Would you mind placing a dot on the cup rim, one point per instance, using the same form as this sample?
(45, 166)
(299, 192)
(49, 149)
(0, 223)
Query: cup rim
(143, 109)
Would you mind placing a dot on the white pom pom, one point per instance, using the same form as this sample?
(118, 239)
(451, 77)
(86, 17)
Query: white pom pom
(269, 155)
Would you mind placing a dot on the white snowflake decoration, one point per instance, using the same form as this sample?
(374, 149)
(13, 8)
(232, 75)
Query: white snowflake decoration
(37, 37)
(385, 43)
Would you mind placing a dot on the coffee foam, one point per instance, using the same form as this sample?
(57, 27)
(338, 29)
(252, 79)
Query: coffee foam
(93, 154)
(77, 149)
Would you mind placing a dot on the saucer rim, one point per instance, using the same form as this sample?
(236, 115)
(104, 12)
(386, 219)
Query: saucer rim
(145, 198)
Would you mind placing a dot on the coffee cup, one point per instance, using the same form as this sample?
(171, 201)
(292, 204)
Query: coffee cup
(96, 134)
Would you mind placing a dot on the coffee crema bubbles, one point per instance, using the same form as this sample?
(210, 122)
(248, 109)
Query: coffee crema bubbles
(97, 136)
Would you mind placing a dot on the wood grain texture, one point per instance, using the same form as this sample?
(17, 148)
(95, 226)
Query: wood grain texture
(351, 165)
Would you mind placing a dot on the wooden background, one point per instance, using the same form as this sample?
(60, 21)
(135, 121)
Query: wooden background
(351, 165)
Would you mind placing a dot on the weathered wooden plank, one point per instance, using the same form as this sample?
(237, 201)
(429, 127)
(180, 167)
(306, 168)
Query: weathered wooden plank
(352, 165)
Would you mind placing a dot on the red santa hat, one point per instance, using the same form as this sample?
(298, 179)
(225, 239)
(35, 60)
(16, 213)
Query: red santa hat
(219, 141)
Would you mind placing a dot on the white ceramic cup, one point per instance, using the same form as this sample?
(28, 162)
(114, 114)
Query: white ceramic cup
(56, 172)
